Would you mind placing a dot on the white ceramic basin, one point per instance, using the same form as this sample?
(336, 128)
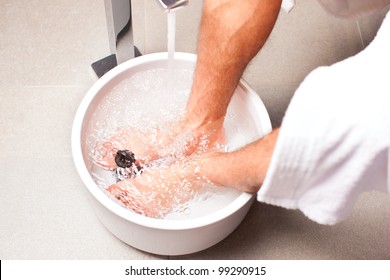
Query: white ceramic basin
(161, 236)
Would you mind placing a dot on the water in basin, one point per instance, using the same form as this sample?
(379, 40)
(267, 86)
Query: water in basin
(145, 100)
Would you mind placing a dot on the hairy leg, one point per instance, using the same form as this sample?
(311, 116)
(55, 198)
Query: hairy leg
(231, 34)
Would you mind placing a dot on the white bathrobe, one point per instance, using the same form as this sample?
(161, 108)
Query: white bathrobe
(334, 142)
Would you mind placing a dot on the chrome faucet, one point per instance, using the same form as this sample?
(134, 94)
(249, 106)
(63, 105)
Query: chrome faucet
(170, 5)
(120, 32)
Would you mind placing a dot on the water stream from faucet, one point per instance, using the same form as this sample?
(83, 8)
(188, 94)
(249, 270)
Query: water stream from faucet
(171, 18)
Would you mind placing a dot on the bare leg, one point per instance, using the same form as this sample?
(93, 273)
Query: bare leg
(231, 34)
(244, 169)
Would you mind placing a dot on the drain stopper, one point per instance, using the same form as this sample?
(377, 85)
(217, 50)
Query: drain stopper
(124, 158)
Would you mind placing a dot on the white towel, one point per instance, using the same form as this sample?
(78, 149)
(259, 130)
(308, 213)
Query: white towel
(334, 142)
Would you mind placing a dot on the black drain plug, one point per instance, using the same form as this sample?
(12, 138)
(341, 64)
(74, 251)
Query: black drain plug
(124, 158)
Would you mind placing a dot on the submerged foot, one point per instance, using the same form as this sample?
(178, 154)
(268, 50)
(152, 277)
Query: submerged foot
(169, 140)
(157, 191)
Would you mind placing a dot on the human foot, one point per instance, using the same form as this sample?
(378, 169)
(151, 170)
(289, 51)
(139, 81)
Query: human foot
(177, 140)
(158, 191)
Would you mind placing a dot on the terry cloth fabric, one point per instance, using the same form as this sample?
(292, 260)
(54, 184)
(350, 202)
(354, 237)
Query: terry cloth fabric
(287, 5)
(334, 142)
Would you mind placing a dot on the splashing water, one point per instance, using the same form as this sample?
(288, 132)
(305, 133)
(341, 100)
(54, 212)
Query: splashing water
(139, 108)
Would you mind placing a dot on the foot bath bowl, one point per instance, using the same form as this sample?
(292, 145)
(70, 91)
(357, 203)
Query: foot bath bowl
(206, 225)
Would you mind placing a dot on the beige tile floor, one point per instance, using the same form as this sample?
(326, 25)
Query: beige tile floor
(46, 48)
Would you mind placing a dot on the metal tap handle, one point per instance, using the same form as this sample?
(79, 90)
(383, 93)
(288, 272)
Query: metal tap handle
(173, 4)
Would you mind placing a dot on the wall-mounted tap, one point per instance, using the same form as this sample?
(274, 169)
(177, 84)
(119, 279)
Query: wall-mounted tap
(170, 5)
(120, 32)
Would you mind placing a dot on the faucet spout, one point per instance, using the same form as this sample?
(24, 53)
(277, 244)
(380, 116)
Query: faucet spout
(170, 5)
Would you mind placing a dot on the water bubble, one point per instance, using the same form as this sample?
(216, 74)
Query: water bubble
(141, 103)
